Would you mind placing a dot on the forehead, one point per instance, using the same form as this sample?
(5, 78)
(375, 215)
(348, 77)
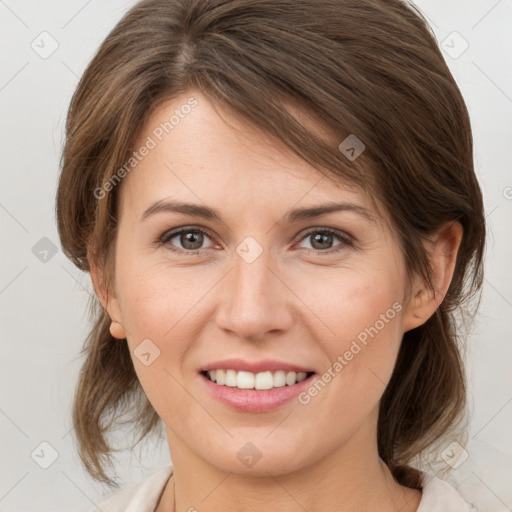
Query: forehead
(201, 151)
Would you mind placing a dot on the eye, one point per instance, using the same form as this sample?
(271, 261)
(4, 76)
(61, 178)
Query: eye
(322, 240)
(191, 239)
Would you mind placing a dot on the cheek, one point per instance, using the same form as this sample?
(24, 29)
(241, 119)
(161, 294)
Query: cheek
(164, 305)
(159, 313)
(363, 314)
(350, 302)
(155, 293)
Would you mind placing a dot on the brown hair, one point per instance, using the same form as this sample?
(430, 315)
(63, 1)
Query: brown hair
(365, 67)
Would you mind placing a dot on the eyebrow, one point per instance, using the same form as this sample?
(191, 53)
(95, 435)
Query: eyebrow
(196, 210)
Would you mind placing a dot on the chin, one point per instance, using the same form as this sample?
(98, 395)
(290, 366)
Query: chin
(258, 457)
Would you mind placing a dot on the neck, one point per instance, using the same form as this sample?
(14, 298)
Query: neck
(351, 478)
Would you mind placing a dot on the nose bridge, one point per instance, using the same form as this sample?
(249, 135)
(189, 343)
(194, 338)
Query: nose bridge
(254, 302)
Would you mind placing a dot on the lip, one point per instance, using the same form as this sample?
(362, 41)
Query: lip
(253, 400)
(265, 365)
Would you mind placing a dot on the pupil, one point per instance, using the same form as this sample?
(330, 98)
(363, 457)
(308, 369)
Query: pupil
(321, 237)
(189, 238)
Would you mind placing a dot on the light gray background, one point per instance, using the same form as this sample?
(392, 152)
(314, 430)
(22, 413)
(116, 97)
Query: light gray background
(43, 304)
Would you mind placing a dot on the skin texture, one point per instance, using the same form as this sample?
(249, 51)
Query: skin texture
(294, 303)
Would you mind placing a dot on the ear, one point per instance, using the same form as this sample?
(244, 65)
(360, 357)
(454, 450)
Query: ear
(107, 298)
(443, 248)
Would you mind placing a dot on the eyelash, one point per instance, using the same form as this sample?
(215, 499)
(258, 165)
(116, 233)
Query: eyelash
(345, 239)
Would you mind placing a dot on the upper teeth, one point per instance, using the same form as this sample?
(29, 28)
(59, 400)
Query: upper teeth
(262, 380)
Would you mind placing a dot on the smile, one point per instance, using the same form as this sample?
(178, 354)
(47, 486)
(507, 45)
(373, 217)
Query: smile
(258, 381)
(250, 392)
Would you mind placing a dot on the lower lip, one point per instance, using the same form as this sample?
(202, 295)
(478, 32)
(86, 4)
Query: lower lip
(252, 400)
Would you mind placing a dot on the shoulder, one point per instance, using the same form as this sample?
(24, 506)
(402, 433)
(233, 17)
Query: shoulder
(140, 497)
(440, 496)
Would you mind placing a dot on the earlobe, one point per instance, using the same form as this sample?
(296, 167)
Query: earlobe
(443, 249)
(117, 331)
(108, 301)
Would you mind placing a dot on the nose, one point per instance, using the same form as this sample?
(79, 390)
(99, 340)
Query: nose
(255, 301)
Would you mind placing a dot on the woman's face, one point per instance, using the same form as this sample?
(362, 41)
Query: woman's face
(265, 289)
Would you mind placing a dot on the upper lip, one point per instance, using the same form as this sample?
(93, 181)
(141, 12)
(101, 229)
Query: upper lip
(264, 365)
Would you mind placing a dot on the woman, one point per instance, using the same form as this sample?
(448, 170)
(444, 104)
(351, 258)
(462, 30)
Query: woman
(277, 205)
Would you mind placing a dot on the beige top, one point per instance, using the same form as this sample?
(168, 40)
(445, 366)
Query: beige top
(437, 496)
